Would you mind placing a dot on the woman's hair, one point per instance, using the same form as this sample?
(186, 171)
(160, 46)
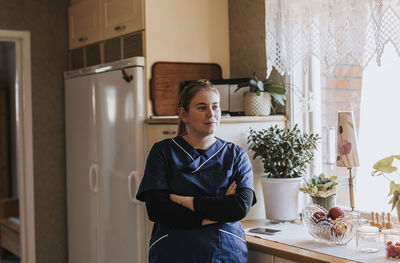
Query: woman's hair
(187, 94)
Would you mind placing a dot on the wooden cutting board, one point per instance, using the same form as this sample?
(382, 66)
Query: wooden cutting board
(167, 79)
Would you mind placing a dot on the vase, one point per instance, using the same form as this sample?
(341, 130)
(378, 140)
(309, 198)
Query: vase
(325, 202)
(281, 198)
(257, 105)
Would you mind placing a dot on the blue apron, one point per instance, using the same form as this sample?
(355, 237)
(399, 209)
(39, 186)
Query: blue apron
(174, 165)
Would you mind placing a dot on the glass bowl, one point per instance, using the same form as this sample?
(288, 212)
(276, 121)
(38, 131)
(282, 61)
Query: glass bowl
(392, 243)
(323, 229)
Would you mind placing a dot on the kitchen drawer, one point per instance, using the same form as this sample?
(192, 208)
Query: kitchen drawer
(158, 132)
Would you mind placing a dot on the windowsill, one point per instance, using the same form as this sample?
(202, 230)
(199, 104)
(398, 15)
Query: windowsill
(224, 119)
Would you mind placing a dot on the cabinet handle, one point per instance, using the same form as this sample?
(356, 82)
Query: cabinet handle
(168, 132)
(93, 174)
(136, 178)
(82, 39)
(118, 28)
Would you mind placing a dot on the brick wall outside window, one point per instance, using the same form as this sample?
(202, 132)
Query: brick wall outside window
(341, 91)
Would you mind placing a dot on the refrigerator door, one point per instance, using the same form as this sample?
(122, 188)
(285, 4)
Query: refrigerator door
(82, 170)
(120, 140)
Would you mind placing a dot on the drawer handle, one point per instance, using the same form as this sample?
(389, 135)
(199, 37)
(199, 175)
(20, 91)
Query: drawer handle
(119, 28)
(168, 132)
(82, 39)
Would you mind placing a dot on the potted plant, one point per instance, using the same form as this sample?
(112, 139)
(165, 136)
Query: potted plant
(322, 190)
(285, 154)
(258, 100)
(382, 168)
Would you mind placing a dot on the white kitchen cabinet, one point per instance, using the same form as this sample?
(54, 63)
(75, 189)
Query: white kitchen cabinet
(158, 132)
(92, 21)
(83, 20)
(258, 257)
(283, 260)
(233, 129)
(120, 17)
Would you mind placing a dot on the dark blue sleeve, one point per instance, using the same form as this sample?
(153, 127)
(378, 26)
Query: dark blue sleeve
(155, 175)
(243, 172)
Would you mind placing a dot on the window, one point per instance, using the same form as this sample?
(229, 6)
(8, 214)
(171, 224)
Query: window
(373, 94)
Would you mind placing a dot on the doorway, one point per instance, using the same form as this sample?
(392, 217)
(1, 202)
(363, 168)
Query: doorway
(15, 49)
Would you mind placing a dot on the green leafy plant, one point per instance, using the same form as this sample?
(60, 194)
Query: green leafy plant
(383, 167)
(277, 90)
(320, 186)
(285, 153)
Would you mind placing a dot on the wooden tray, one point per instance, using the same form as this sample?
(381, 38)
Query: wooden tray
(167, 79)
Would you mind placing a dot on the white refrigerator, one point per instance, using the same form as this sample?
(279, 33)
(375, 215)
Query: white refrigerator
(105, 151)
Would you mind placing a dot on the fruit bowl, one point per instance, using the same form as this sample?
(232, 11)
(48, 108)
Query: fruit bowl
(338, 231)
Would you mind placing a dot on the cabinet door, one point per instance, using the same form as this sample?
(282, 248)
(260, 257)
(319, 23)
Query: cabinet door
(120, 17)
(82, 171)
(120, 147)
(259, 257)
(157, 132)
(283, 260)
(84, 23)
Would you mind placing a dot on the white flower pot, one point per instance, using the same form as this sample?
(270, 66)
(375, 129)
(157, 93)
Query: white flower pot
(257, 105)
(281, 198)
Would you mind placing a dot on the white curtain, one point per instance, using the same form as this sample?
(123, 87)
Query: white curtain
(331, 30)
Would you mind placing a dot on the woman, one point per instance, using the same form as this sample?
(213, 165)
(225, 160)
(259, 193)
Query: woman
(197, 187)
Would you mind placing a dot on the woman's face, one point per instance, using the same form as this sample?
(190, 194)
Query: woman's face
(203, 113)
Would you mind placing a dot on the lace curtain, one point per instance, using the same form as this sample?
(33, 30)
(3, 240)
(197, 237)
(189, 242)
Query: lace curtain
(331, 30)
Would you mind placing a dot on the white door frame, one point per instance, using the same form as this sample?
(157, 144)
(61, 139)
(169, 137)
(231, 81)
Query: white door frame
(24, 143)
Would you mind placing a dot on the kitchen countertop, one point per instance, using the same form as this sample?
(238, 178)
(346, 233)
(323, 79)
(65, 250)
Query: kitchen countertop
(287, 251)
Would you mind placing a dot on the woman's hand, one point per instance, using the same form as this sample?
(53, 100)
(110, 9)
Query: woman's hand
(231, 189)
(207, 222)
(186, 201)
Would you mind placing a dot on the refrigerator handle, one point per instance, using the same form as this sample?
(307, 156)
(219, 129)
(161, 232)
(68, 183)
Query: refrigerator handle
(93, 173)
(136, 176)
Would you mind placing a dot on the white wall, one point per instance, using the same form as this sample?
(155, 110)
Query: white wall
(186, 31)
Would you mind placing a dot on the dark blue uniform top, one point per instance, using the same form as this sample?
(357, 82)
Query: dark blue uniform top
(174, 165)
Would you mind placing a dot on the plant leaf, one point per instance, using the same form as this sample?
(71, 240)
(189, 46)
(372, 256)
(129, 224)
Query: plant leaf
(278, 89)
(260, 85)
(253, 83)
(255, 76)
(394, 188)
(395, 201)
(385, 165)
(278, 98)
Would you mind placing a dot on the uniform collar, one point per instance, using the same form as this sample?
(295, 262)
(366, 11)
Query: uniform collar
(199, 159)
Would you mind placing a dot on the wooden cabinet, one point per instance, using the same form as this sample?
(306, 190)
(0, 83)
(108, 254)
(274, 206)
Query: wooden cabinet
(84, 23)
(120, 17)
(283, 260)
(92, 21)
(4, 148)
(260, 257)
